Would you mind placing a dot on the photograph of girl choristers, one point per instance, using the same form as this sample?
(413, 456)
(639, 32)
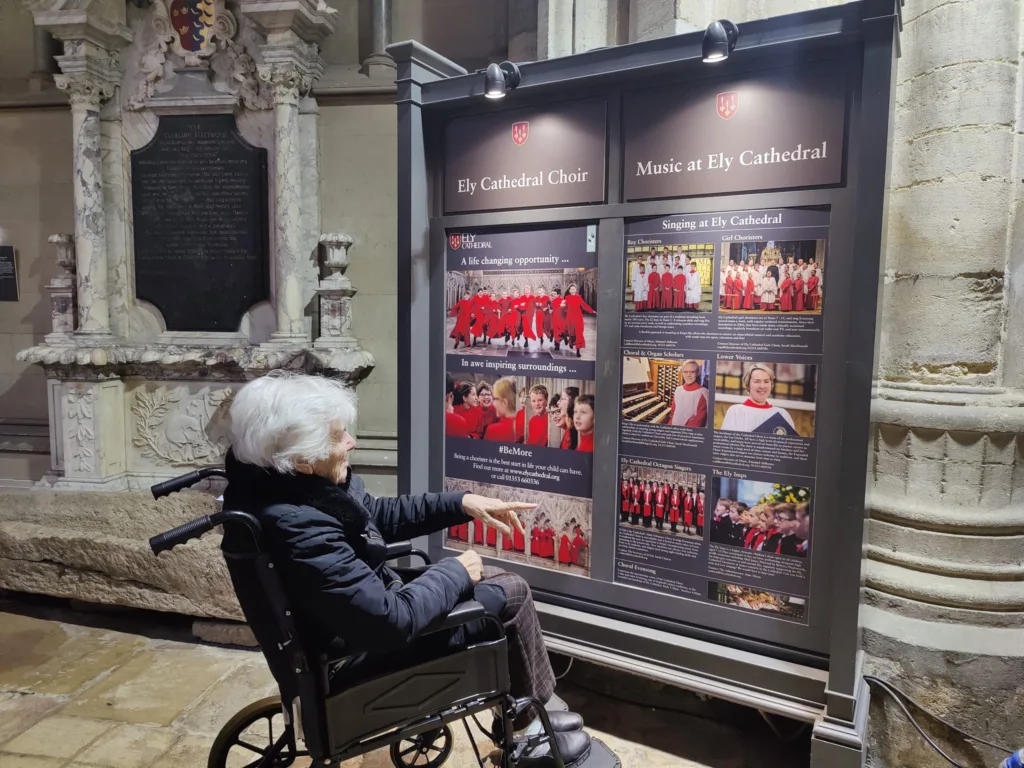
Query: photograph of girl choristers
(782, 276)
(545, 412)
(767, 398)
(550, 313)
(558, 531)
(762, 517)
(670, 278)
(662, 500)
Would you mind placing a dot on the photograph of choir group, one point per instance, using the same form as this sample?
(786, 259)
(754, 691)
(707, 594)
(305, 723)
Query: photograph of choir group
(762, 517)
(670, 278)
(766, 398)
(669, 392)
(557, 532)
(547, 314)
(662, 500)
(772, 276)
(553, 413)
(752, 599)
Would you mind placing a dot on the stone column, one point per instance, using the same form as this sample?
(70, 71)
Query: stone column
(87, 94)
(379, 63)
(286, 82)
(291, 64)
(90, 74)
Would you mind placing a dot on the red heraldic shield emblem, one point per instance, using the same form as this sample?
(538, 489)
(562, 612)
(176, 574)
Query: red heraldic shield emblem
(192, 21)
(728, 103)
(455, 241)
(520, 133)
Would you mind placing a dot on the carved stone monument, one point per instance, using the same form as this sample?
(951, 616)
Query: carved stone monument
(193, 266)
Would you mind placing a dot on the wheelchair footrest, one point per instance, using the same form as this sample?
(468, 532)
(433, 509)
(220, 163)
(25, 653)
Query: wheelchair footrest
(600, 756)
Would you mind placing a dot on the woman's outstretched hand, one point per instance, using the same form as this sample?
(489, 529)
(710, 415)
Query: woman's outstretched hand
(499, 514)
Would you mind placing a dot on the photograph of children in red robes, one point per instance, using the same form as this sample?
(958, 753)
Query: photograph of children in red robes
(663, 501)
(768, 398)
(774, 518)
(545, 412)
(548, 314)
(670, 278)
(772, 276)
(558, 531)
(670, 392)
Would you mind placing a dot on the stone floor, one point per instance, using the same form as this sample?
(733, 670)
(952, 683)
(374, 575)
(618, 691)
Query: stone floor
(130, 690)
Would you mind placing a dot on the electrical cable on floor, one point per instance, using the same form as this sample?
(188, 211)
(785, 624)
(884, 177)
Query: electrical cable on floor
(899, 697)
(571, 660)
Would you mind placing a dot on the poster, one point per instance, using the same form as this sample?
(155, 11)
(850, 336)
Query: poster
(521, 337)
(721, 354)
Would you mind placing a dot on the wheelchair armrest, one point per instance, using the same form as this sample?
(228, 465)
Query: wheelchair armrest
(397, 549)
(463, 613)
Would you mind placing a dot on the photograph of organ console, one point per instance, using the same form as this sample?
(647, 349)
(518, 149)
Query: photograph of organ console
(665, 391)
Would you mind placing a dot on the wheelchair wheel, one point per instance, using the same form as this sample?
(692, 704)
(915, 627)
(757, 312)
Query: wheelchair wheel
(425, 750)
(248, 737)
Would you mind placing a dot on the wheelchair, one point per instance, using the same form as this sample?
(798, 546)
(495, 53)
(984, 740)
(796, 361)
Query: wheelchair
(409, 710)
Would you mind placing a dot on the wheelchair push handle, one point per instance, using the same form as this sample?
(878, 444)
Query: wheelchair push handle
(175, 484)
(193, 529)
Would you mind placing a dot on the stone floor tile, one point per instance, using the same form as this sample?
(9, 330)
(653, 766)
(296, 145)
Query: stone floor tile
(249, 683)
(154, 686)
(128, 746)
(26, 761)
(56, 736)
(189, 751)
(20, 711)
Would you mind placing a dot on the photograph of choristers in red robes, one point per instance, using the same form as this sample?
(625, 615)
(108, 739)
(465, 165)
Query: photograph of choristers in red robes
(670, 278)
(772, 277)
(767, 398)
(673, 393)
(558, 531)
(545, 412)
(665, 501)
(545, 314)
(762, 517)
(754, 599)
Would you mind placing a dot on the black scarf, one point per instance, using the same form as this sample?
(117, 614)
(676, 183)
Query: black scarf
(252, 489)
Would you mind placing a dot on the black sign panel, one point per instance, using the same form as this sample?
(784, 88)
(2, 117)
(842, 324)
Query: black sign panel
(8, 274)
(775, 130)
(526, 158)
(199, 193)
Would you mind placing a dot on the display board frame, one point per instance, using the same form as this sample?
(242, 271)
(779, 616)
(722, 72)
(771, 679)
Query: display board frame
(810, 673)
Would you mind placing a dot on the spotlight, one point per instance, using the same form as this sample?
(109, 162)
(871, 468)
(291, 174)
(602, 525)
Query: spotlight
(500, 78)
(719, 40)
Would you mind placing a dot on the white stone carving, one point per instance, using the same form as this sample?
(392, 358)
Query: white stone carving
(173, 426)
(62, 291)
(80, 427)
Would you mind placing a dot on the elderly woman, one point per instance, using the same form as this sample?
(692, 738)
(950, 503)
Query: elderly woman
(756, 414)
(289, 466)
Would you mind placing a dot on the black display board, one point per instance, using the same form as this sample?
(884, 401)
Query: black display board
(8, 274)
(199, 197)
(723, 382)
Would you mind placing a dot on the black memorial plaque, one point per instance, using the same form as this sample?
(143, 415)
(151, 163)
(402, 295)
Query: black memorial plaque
(526, 158)
(778, 129)
(199, 193)
(8, 274)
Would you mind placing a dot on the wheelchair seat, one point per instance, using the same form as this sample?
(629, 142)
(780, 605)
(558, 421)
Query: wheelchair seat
(394, 707)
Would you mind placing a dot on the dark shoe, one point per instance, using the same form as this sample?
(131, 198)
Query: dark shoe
(562, 721)
(574, 748)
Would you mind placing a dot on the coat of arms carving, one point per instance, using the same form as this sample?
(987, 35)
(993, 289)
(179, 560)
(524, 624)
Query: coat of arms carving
(192, 29)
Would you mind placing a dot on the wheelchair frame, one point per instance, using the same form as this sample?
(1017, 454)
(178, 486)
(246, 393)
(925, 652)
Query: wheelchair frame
(446, 689)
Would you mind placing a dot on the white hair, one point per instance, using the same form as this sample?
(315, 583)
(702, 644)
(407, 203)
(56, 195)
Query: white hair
(285, 418)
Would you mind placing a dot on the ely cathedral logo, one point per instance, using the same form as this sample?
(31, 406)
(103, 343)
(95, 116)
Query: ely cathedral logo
(455, 241)
(520, 133)
(728, 103)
